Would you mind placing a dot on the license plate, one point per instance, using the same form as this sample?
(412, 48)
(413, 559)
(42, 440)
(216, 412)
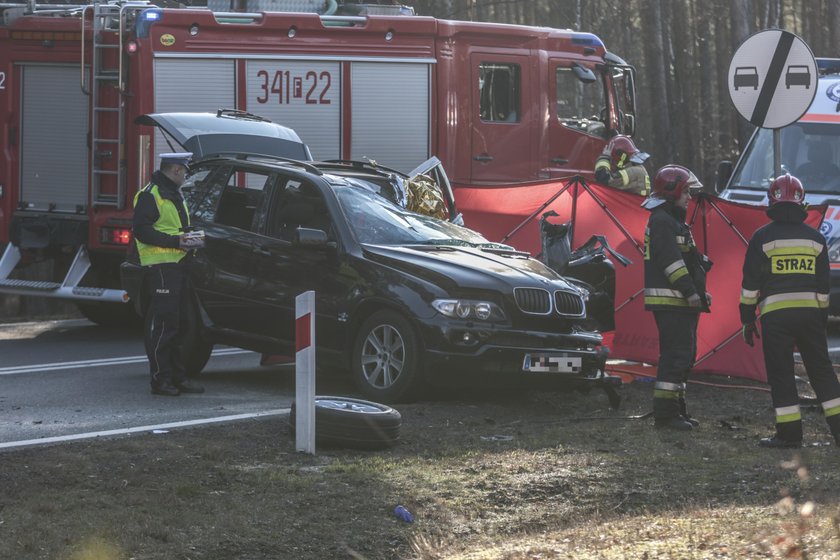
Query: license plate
(551, 363)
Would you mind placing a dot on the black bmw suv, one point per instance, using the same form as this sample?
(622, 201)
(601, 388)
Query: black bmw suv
(402, 298)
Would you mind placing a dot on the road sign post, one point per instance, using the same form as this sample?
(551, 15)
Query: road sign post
(772, 82)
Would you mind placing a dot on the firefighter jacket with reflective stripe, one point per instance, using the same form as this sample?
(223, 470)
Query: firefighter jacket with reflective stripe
(674, 268)
(632, 177)
(160, 216)
(786, 266)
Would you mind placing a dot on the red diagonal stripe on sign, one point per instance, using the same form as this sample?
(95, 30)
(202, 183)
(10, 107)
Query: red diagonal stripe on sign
(302, 339)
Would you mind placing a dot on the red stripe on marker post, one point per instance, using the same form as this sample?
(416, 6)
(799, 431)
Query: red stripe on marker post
(302, 327)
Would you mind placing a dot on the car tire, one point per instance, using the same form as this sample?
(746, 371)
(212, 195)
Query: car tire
(387, 365)
(195, 348)
(353, 423)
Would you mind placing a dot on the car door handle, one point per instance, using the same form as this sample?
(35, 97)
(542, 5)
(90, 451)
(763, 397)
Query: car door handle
(261, 251)
(559, 160)
(483, 157)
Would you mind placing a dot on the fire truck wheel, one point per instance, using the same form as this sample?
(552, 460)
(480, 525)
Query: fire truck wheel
(354, 423)
(114, 315)
(387, 364)
(195, 348)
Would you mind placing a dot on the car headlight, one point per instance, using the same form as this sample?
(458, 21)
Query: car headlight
(469, 309)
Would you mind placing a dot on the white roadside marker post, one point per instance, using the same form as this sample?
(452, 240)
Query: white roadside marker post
(305, 372)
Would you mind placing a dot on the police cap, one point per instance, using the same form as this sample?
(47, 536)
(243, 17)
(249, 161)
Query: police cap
(179, 158)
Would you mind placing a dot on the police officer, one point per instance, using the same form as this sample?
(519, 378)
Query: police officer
(675, 291)
(620, 166)
(160, 219)
(786, 276)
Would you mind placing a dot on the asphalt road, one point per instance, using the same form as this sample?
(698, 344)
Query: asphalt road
(65, 379)
(72, 377)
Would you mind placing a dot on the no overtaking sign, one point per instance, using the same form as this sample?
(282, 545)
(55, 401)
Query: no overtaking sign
(773, 78)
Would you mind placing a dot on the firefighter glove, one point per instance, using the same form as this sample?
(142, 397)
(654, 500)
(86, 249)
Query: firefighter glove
(748, 330)
(187, 241)
(694, 301)
(602, 175)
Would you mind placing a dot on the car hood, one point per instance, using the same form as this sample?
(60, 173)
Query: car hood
(214, 134)
(466, 267)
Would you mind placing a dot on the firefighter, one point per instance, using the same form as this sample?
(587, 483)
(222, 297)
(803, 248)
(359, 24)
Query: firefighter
(160, 220)
(620, 166)
(786, 276)
(675, 291)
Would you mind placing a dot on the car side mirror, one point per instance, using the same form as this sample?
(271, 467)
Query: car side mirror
(314, 238)
(724, 172)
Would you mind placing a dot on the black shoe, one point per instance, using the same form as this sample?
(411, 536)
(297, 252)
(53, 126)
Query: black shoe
(776, 442)
(165, 389)
(675, 423)
(187, 386)
(693, 421)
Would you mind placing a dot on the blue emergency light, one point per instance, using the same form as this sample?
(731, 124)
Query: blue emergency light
(145, 21)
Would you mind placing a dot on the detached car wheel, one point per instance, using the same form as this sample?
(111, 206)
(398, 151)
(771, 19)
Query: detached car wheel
(354, 423)
(386, 358)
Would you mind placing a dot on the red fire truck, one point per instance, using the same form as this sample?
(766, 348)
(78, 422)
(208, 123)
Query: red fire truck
(498, 104)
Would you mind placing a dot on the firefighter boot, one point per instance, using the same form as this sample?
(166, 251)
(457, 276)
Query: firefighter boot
(666, 414)
(684, 414)
(788, 435)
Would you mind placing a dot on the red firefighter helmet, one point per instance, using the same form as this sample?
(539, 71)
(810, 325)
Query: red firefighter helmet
(623, 150)
(786, 188)
(672, 180)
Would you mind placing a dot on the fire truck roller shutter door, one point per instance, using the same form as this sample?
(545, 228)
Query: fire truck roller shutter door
(304, 95)
(54, 154)
(190, 84)
(390, 105)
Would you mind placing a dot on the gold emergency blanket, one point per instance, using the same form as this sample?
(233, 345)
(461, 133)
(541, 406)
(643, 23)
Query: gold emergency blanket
(423, 197)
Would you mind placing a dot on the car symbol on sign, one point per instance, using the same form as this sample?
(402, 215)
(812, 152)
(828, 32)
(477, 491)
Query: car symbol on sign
(746, 76)
(798, 75)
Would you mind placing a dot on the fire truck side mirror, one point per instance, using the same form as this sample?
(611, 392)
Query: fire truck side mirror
(583, 74)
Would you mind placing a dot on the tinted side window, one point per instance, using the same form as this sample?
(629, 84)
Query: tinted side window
(202, 190)
(298, 204)
(238, 205)
(499, 89)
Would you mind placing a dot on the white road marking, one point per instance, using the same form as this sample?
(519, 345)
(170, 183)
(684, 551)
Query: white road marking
(34, 368)
(106, 433)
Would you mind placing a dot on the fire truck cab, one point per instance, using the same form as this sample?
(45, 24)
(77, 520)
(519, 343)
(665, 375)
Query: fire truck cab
(498, 104)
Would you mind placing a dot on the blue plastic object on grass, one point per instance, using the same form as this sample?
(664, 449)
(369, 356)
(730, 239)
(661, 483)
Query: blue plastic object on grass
(401, 513)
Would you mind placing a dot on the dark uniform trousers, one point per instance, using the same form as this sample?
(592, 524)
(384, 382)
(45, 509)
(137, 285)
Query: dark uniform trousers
(164, 322)
(677, 352)
(805, 328)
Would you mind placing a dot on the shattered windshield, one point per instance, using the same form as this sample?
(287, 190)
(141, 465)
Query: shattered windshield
(809, 152)
(374, 219)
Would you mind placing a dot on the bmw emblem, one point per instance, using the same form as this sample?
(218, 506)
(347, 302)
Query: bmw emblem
(825, 228)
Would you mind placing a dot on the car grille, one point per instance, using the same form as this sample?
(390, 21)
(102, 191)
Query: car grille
(568, 303)
(533, 300)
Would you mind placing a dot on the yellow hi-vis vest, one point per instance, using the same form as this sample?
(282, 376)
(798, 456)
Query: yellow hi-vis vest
(169, 223)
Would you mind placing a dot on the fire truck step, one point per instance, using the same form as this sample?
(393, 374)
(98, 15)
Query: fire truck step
(107, 109)
(30, 284)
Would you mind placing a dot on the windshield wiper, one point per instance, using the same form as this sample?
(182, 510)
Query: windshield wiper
(447, 242)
